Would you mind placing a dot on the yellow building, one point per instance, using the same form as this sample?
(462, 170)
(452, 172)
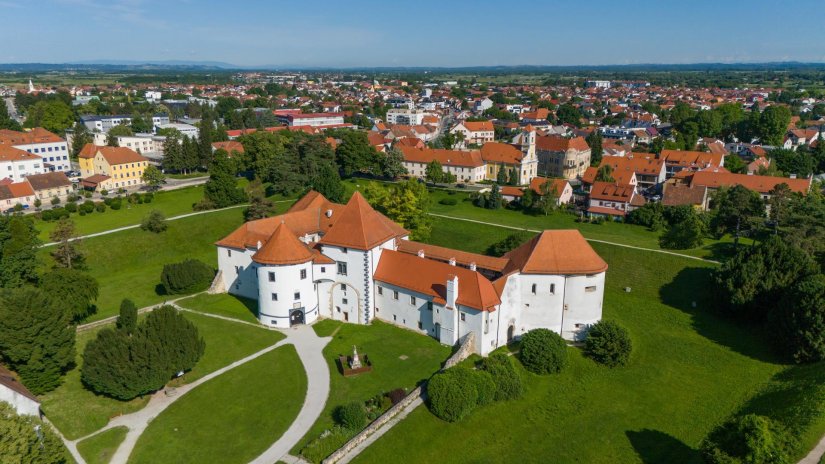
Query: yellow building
(109, 168)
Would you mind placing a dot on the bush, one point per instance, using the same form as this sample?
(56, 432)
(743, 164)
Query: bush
(326, 444)
(186, 277)
(485, 386)
(100, 207)
(452, 394)
(543, 351)
(121, 191)
(608, 343)
(448, 201)
(351, 415)
(71, 207)
(87, 194)
(749, 439)
(148, 197)
(87, 207)
(504, 375)
(134, 198)
(103, 192)
(155, 222)
(115, 204)
(55, 201)
(37, 203)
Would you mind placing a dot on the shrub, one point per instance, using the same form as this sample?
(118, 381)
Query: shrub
(38, 203)
(749, 439)
(351, 415)
(485, 386)
(87, 194)
(100, 207)
(148, 197)
(121, 191)
(186, 277)
(71, 207)
(326, 444)
(104, 192)
(155, 222)
(87, 207)
(46, 215)
(203, 205)
(397, 395)
(608, 343)
(505, 376)
(55, 201)
(72, 197)
(134, 198)
(452, 395)
(543, 351)
(115, 204)
(448, 201)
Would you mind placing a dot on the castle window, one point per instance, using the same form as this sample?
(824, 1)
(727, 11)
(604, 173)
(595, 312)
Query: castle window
(344, 301)
(590, 289)
(420, 326)
(534, 289)
(272, 276)
(412, 300)
(273, 322)
(343, 287)
(297, 295)
(380, 290)
(395, 294)
(552, 289)
(342, 268)
(463, 317)
(323, 269)
(228, 252)
(274, 297)
(430, 305)
(303, 274)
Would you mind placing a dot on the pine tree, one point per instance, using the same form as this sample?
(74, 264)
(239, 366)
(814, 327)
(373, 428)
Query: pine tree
(36, 339)
(18, 251)
(28, 440)
(494, 202)
(127, 320)
(594, 140)
(501, 177)
(259, 205)
(80, 138)
(222, 188)
(328, 183)
(205, 142)
(66, 253)
(75, 290)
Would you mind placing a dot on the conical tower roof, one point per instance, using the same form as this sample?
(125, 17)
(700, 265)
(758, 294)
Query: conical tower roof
(283, 248)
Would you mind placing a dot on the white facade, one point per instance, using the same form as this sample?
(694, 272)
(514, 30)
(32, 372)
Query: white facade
(185, 129)
(16, 170)
(461, 173)
(24, 405)
(55, 155)
(141, 143)
(412, 117)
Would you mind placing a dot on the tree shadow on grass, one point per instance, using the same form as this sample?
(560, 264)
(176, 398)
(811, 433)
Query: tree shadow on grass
(694, 292)
(655, 447)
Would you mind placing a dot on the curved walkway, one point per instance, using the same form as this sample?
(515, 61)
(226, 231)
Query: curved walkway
(588, 239)
(816, 454)
(309, 347)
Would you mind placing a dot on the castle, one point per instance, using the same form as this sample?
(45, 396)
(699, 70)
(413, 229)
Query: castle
(351, 263)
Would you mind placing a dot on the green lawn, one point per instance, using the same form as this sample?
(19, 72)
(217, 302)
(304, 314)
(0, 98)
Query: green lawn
(171, 203)
(100, 448)
(230, 419)
(78, 412)
(385, 345)
(690, 370)
(223, 304)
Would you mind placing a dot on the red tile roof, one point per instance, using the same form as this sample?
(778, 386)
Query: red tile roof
(557, 143)
(445, 157)
(761, 184)
(497, 153)
(445, 254)
(695, 159)
(360, 227)
(283, 248)
(34, 136)
(430, 278)
(556, 252)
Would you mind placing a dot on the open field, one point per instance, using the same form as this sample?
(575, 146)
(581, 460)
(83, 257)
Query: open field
(77, 411)
(690, 370)
(223, 304)
(400, 359)
(231, 418)
(100, 448)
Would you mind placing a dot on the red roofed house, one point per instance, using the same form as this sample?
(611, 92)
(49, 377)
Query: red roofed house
(561, 188)
(53, 149)
(563, 157)
(520, 159)
(760, 184)
(231, 147)
(648, 170)
(350, 263)
(12, 194)
(613, 199)
(475, 132)
(466, 166)
(16, 164)
(679, 160)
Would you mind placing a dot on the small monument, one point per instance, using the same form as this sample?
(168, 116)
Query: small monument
(356, 362)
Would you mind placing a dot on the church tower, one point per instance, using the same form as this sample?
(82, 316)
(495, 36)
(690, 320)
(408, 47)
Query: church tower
(529, 160)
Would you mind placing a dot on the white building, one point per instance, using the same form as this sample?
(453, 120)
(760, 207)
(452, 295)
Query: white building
(185, 129)
(597, 84)
(475, 132)
(406, 116)
(17, 395)
(53, 150)
(152, 96)
(141, 143)
(466, 166)
(313, 119)
(104, 123)
(350, 263)
(15, 164)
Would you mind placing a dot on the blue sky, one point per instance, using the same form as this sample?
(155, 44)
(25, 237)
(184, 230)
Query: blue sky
(346, 33)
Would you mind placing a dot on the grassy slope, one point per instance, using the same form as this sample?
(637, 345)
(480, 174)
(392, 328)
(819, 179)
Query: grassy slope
(171, 203)
(689, 371)
(230, 419)
(78, 412)
(223, 304)
(384, 344)
(100, 448)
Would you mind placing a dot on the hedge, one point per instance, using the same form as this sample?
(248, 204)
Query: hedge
(543, 351)
(608, 343)
(186, 277)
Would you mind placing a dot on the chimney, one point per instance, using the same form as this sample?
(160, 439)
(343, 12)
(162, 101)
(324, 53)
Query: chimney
(452, 261)
(329, 213)
(259, 245)
(452, 290)
(420, 253)
(473, 266)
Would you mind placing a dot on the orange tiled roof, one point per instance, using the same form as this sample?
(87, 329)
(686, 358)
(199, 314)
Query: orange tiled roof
(557, 143)
(612, 191)
(430, 278)
(497, 152)
(478, 126)
(445, 254)
(445, 157)
(556, 252)
(360, 227)
(36, 135)
(557, 184)
(283, 248)
(761, 184)
(229, 146)
(9, 153)
(688, 158)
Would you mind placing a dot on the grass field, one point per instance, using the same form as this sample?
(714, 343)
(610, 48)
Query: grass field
(171, 203)
(229, 419)
(223, 304)
(385, 345)
(100, 448)
(78, 412)
(690, 370)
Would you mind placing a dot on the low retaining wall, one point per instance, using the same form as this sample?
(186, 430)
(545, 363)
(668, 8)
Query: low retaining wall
(464, 350)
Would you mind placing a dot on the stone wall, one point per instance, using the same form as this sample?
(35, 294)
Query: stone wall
(218, 285)
(464, 350)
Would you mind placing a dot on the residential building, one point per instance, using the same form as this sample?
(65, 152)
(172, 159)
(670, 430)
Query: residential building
(17, 395)
(763, 185)
(680, 160)
(613, 199)
(141, 143)
(15, 164)
(561, 188)
(52, 149)
(406, 116)
(519, 158)
(352, 264)
(231, 147)
(104, 123)
(50, 185)
(649, 170)
(14, 193)
(185, 129)
(475, 132)
(109, 168)
(563, 157)
(313, 119)
(466, 166)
